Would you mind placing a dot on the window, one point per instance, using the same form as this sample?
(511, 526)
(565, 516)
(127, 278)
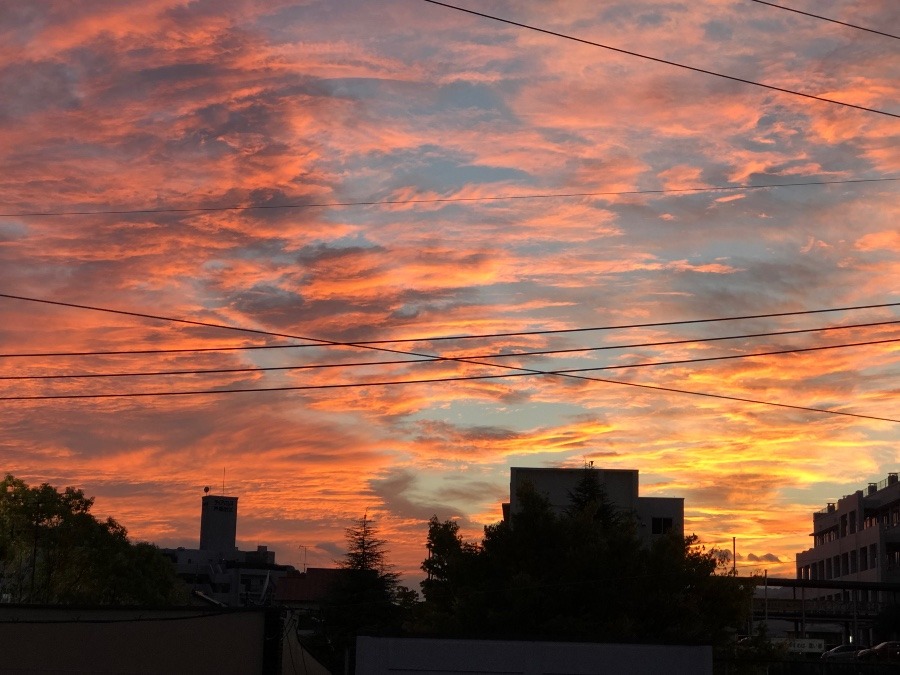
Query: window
(863, 559)
(660, 525)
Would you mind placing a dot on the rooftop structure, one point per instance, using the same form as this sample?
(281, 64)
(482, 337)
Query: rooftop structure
(856, 538)
(218, 569)
(655, 516)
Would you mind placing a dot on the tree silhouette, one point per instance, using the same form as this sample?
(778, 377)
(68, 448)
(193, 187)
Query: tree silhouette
(366, 552)
(589, 501)
(583, 575)
(54, 551)
(365, 600)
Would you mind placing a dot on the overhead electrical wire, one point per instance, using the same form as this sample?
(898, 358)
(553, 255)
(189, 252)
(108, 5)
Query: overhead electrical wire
(434, 200)
(365, 344)
(825, 18)
(663, 343)
(435, 359)
(519, 373)
(653, 324)
(434, 380)
(695, 69)
(133, 352)
(438, 359)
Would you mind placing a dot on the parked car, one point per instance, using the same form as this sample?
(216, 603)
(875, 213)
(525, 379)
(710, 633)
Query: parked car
(843, 652)
(886, 651)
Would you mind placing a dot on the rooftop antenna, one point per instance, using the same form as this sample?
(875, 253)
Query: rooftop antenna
(206, 490)
(223, 480)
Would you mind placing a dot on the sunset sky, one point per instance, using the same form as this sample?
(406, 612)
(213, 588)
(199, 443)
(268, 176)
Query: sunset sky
(416, 172)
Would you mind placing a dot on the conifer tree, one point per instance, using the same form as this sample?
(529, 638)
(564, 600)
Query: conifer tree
(365, 600)
(367, 552)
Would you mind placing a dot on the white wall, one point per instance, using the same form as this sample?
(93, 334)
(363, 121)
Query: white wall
(411, 656)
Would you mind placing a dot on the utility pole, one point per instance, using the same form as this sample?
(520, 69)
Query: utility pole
(37, 521)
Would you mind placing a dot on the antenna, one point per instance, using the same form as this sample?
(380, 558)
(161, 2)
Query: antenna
(223, 480)
(206, 490)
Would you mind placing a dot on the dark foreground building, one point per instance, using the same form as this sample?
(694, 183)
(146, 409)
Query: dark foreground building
(856, 538)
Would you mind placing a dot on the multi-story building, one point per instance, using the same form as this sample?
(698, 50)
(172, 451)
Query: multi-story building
(856, 538)
(218, 524)
(654, 516)
(218, 569)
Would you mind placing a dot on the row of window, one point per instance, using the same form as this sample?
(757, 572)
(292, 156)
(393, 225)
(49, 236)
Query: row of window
(843, 564)
(847, 524)
(853, 596)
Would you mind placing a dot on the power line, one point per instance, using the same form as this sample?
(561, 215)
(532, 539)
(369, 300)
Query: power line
(438, 359)
(665, 61)
(361, 344)
(372, 344)
(132, 352)
(655, 324)
(434, 380)
(543, 352)
(520, 371)
(825, 18)
(436, 200)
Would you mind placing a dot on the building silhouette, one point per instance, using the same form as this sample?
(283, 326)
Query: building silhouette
(654, 516)
(218, 524)
(217, 569)
(856, 538)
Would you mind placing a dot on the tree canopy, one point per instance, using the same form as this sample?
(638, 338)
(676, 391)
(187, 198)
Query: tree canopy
(583, 574)
(54, 551)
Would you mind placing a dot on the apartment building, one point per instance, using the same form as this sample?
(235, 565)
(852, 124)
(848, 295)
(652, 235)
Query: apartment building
(856, 538)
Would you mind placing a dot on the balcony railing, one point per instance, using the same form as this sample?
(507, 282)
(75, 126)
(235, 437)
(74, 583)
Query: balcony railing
(817, 608)
(880, 485)
(890, 480)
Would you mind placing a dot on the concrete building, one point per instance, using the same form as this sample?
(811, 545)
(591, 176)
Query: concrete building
(218, 569)
(307, 590)
(856, 538)
(655, 516)
(218, 524)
